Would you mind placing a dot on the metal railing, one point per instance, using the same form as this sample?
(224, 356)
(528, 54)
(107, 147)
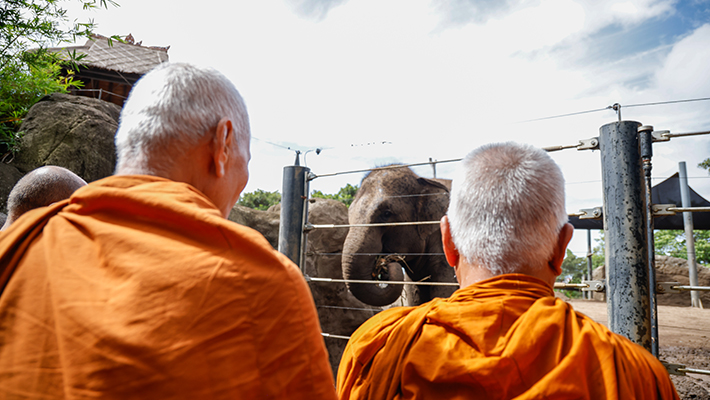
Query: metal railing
(585, 285)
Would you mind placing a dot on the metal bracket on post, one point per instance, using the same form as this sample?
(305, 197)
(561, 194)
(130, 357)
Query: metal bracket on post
(660, 136)
(674, 369)
(667, 287)
(661, 210)
(589, 144)
(591, 213)
(594, 286)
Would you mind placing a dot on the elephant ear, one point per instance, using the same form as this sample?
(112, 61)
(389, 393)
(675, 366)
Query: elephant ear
(432, 205)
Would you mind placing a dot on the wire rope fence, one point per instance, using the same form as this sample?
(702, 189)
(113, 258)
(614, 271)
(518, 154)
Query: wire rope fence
(587, 285)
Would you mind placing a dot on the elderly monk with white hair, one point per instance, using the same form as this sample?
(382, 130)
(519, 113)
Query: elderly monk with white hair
(503, 335)
(138, 287)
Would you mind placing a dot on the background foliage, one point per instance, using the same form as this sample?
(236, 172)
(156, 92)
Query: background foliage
(573, 268)
(672, 243)
(27, 70)
(259, 199)
(705, 164)
(345, 195)
(262, 200)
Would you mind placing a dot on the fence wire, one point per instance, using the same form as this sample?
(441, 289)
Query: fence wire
(376, 282)
(679, 369)
(373, 254)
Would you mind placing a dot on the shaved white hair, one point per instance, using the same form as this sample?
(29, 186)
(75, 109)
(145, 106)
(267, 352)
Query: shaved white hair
(507, 207)
(169, 110)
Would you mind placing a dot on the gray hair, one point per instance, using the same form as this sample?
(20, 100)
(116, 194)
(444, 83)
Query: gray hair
(169, 110)
(40, 188)
(507, 207)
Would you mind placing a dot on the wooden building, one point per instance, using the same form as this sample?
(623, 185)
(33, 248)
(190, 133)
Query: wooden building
(109, 71)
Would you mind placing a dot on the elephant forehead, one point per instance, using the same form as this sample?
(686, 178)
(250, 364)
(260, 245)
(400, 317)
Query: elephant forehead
(368, 202)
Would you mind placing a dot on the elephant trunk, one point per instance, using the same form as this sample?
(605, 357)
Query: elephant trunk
(371, 268)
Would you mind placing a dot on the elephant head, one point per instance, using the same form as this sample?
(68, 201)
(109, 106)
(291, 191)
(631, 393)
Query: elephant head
(381, 253)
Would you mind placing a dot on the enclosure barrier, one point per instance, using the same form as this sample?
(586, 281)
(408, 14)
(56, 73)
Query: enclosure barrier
(329, 335)
(101, 92)
(645, 138)
(676, 287)
(593, 286)
(682, 370)
(310, 227)
(626, 153)
(376, 282)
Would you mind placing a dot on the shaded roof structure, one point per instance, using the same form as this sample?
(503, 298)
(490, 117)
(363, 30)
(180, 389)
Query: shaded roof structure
(666, 192)
(128, 57)
(110, 68)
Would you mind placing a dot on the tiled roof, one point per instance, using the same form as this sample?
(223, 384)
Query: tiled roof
(121, 57)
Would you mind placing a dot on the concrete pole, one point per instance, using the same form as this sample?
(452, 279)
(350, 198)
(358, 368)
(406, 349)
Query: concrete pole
(625, 232)
(294, 213)
(689, 239)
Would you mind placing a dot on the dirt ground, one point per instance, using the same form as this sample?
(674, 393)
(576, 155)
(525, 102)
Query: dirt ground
(684, 334)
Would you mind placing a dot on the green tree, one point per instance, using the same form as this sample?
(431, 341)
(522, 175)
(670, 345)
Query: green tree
(345, 195)
(573, 268)
(705, 164)
(259, 199)
(672, 243)
(27, 75)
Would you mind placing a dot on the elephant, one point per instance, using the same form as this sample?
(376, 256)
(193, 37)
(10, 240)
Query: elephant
(396, 194)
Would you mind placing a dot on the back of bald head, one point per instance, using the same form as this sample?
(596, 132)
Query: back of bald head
(40, 188)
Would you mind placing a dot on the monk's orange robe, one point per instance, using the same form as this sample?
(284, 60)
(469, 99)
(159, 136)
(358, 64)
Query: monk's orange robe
(137, 288)
(507, 337)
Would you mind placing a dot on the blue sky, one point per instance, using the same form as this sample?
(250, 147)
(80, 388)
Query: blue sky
(438, 78)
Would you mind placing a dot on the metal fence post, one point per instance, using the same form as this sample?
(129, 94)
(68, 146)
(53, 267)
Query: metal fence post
(590, 272)
(689, 239)
(625, 232)
(294, 212)
(646, 150)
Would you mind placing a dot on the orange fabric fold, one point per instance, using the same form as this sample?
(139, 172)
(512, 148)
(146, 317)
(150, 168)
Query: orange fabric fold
(138, 288)
(504, 338)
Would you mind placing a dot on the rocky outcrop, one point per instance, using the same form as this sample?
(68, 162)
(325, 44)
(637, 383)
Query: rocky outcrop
(69, 131)
(73, 132)
(9, 175)
(265, 222)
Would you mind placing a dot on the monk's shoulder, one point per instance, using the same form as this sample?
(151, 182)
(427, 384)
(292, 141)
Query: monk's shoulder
(243, 242)
(383, 323)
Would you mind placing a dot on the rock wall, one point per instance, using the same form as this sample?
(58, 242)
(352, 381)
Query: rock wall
(670, 269)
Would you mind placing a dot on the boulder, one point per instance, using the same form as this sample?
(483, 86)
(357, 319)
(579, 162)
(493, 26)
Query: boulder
(265, 222)
(9, 175)
(73, 132)
(669, 269)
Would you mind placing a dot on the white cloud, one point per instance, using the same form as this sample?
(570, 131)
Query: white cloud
(373, 71)
(685, 72)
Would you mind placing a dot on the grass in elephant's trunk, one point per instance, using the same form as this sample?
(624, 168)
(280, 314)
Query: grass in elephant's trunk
(381, 271)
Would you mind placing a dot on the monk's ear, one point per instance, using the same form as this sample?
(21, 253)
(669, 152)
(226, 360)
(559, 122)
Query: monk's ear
(222, 144)
(450, 251)
(558, 256)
